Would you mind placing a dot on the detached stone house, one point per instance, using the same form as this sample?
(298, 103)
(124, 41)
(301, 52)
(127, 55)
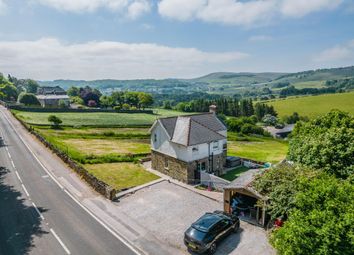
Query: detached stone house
(183, 146)
(51, 96)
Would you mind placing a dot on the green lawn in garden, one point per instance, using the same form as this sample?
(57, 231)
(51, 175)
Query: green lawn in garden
(121, 175)
(234, 173)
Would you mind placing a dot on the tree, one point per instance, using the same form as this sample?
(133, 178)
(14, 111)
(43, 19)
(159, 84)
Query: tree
(77, 100)
(326, 142)
(145, 100)
(106, 101)
(31, 86)
(270, 120)
(73, 91)
(321, 221)
(55, 121)
(28, 99)
(9, 91)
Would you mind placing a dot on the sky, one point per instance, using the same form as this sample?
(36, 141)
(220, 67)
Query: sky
(139, 39)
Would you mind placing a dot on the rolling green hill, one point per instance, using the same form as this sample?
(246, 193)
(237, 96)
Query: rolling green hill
(313, 106)
(221, 82)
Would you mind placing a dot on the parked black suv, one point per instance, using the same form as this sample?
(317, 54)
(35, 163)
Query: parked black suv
(204, 234)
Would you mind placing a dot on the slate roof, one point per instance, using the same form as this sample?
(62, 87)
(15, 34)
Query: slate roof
(47, 90)
(193, 129)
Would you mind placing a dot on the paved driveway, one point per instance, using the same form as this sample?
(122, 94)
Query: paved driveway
(166, 210)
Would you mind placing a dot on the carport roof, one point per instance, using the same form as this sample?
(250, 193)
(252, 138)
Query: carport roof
(244, 182)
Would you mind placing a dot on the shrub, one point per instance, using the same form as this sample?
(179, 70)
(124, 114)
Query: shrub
(125, 107)
(91, 103)
(28, 99)
(55, 121)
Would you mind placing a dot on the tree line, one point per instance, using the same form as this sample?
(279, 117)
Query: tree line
(229, 106)
(120, 100)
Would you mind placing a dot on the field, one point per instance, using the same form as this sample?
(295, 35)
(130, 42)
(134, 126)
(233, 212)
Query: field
(259, 149)
(96, 119)
(312, 106)
(121, 175)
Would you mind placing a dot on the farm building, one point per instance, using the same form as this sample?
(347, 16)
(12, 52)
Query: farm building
(280, 132)
(51, 96)
(183, 146)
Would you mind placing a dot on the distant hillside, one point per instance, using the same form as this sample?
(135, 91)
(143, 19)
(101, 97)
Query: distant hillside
(223, 83)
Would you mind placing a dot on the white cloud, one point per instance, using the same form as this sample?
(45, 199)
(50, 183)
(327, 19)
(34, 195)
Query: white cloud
(300, 8)
(260, 38)
(237, 12)
(49, 58)
(137, 8)
(133, 8)
(337, 53)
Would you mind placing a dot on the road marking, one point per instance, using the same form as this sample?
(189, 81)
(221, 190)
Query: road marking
(18, 176)
(24, 188)
(12, 163)
(8, 153)
(127, 243)
(35, 207)
(60, 241)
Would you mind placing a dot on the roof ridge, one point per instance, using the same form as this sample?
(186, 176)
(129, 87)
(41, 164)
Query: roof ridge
(189, 131)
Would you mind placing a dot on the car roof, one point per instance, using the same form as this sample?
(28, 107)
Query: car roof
(207, 221)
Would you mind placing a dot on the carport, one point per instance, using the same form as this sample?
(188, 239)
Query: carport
(243, 200)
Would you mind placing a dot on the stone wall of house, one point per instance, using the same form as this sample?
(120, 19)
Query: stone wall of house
(177, 169)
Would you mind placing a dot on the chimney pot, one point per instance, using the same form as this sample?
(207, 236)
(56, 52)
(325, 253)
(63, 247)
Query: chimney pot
(212, 108)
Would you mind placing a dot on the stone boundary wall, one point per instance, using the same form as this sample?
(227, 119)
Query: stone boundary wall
(98, 185)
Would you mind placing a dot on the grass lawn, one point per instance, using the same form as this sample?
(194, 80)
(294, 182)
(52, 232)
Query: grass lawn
(262, 149)
(309, 84)
(313, 106)
(234, 173)
(97, 118)
(105, 146)
(121, 175)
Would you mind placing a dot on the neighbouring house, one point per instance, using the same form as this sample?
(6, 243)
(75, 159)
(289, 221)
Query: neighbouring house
(242, 199)
(183, 146)
(280, 132)
(50, 97)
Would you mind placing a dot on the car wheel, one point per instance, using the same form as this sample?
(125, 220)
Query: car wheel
(236, 227)
(212, 248)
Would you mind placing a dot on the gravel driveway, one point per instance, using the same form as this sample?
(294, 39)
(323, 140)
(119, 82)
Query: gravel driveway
(166, 210)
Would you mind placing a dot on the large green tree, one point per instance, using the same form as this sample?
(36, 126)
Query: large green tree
(322, 220)
(326, 142)
(28, 99)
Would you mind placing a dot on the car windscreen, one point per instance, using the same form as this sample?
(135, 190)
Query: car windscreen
(197, 234)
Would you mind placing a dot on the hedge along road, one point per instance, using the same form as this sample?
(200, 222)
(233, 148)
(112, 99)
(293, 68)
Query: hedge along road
(38, 216)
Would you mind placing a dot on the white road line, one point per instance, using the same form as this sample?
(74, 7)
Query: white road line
(127, 243)
(18, 176)
(8, 153)
(35, 207)
(12, 163)
(24, 188)
(60, 241)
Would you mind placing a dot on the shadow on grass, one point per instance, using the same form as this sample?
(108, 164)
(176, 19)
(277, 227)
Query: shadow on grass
(19, 223)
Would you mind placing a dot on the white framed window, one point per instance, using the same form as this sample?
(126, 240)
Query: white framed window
(215, 146)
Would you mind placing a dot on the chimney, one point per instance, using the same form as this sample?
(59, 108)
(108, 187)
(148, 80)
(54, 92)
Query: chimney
(212, 108)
